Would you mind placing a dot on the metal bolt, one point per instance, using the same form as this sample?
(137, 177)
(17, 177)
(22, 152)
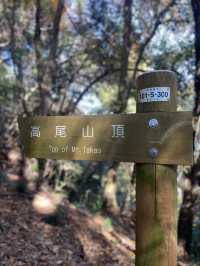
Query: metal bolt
(153, 123)
(153, 152)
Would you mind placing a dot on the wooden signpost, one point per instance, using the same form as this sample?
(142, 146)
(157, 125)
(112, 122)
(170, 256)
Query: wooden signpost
(157, 138)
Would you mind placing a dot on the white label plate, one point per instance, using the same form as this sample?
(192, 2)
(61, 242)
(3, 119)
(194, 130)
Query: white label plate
(154, 94)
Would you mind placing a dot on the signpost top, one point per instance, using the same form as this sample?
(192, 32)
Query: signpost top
(157, 91)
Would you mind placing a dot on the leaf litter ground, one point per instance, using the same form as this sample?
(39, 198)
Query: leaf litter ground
(81, 239)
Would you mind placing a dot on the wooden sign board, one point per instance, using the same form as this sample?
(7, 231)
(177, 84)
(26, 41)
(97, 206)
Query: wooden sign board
(128, 138)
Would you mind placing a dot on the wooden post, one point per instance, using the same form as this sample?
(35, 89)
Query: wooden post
(156, 185)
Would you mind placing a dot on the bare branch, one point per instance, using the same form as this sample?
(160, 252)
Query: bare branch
(157, 23)
(73, 104)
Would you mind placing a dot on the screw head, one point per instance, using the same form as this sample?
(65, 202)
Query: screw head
(153, 152)
(153, 123)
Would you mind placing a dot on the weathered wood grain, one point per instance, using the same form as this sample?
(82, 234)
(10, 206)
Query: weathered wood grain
(156, 190)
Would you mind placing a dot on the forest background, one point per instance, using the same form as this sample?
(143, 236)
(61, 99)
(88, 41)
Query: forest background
(82, 57)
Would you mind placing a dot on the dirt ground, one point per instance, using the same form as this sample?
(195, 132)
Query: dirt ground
(79, 239)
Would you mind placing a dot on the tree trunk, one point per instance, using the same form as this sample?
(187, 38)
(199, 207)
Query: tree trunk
(110, 190)
(196, 13)
(186, 216)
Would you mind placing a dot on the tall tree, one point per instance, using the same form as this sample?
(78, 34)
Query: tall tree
(110, 188)
(192, 178)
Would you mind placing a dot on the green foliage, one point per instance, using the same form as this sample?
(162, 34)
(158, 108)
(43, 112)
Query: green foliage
(107, 224)
(35, 167)
(194, 263)
(96, 204)
(106, 93)
(52, 78)
(6, 85)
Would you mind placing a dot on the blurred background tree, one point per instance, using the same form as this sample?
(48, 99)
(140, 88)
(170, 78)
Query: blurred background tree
(64, 57)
